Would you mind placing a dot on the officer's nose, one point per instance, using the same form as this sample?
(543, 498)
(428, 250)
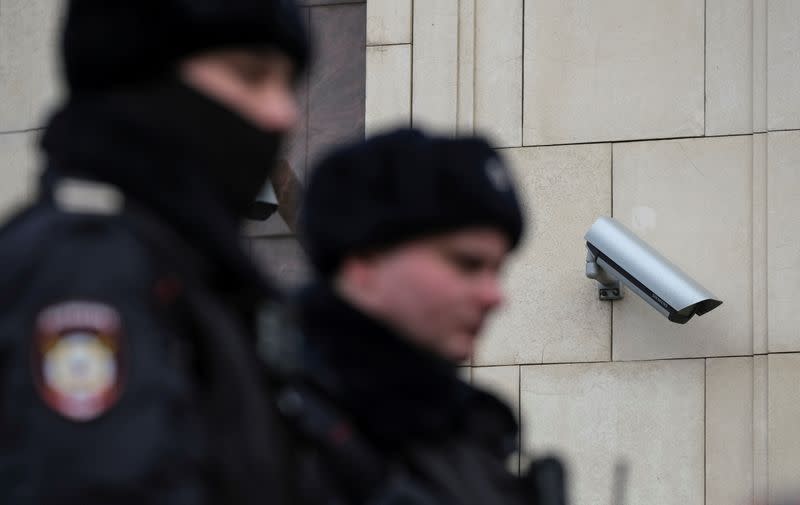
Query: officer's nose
(491, 292)
(276, 109)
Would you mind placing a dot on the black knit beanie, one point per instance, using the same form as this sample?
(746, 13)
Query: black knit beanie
(109, 43)
(400, 186)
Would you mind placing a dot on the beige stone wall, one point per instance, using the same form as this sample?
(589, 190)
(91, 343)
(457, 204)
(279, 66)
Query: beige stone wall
(28, 88)
(681, 118)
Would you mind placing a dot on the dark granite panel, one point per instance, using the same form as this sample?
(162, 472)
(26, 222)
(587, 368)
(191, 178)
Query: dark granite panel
(296, 149)
(332, 105)
(337, 80)
(295, 153)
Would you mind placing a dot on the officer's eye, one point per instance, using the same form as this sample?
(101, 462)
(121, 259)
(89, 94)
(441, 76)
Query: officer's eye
(253, 72)
(466, 263)
(251, 67)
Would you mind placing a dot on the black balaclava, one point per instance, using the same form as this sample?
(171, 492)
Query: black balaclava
(131, 122)
(113, 45)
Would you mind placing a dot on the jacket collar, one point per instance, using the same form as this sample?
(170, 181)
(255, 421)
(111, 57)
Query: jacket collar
(395, 392)
(101, 140)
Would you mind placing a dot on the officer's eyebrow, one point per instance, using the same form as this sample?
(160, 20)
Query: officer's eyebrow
(470, 261)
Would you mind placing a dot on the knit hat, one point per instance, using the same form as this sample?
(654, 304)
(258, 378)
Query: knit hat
(400, 186)
(108, 43)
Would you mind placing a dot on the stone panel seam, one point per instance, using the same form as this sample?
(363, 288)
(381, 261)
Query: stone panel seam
(465, 67)
(705, 67)
(623, 141)
(678, 358)
(753, 69)
(27, 130)
(766, 392)
(495, 366)
(519, 420)
(321, 4)
(522, 89)
(390, 44)
(474, 59)
(721, 356)
(537, 363)
(784, 130)
(760, 218)
(766, 72)
(458, 68)
(756, 398)
(766, 236)
(611, 315)
(474, 62)
(705, 431)
(779, 353)
(411, 67)
(649, 360)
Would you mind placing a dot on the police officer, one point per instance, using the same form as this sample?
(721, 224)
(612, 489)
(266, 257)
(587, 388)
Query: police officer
(408, 234)
(128, 371)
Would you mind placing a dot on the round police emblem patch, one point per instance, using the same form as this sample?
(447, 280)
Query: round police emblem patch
(77, 359)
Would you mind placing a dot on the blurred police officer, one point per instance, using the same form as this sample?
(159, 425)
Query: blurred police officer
(408, 234)
(128, 369)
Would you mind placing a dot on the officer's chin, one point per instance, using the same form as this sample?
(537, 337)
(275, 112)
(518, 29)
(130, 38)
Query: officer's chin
(461, 348)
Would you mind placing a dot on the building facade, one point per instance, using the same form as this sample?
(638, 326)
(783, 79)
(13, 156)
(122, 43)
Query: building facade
(680, 118)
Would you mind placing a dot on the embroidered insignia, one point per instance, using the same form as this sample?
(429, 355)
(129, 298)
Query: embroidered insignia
(77, 359)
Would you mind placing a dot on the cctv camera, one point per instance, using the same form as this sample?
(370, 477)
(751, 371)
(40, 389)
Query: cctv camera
(265, 205)
(615, 255)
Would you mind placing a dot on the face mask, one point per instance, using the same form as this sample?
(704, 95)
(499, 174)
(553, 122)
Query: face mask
(235, 156)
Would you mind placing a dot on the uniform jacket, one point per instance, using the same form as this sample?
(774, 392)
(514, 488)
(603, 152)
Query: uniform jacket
(403, 415)
(128, 364)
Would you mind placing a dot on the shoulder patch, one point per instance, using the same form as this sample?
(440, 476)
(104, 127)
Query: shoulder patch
(77, 358)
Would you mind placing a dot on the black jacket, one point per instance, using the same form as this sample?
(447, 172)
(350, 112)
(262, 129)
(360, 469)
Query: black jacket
(194, 422)
(128, 363)
(404, 417)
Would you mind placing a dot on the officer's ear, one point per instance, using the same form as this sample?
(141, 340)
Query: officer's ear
(357, 271)
(361, 272)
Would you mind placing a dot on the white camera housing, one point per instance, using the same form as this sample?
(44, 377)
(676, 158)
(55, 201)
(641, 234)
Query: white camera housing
(615, 255)
(265, 204)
